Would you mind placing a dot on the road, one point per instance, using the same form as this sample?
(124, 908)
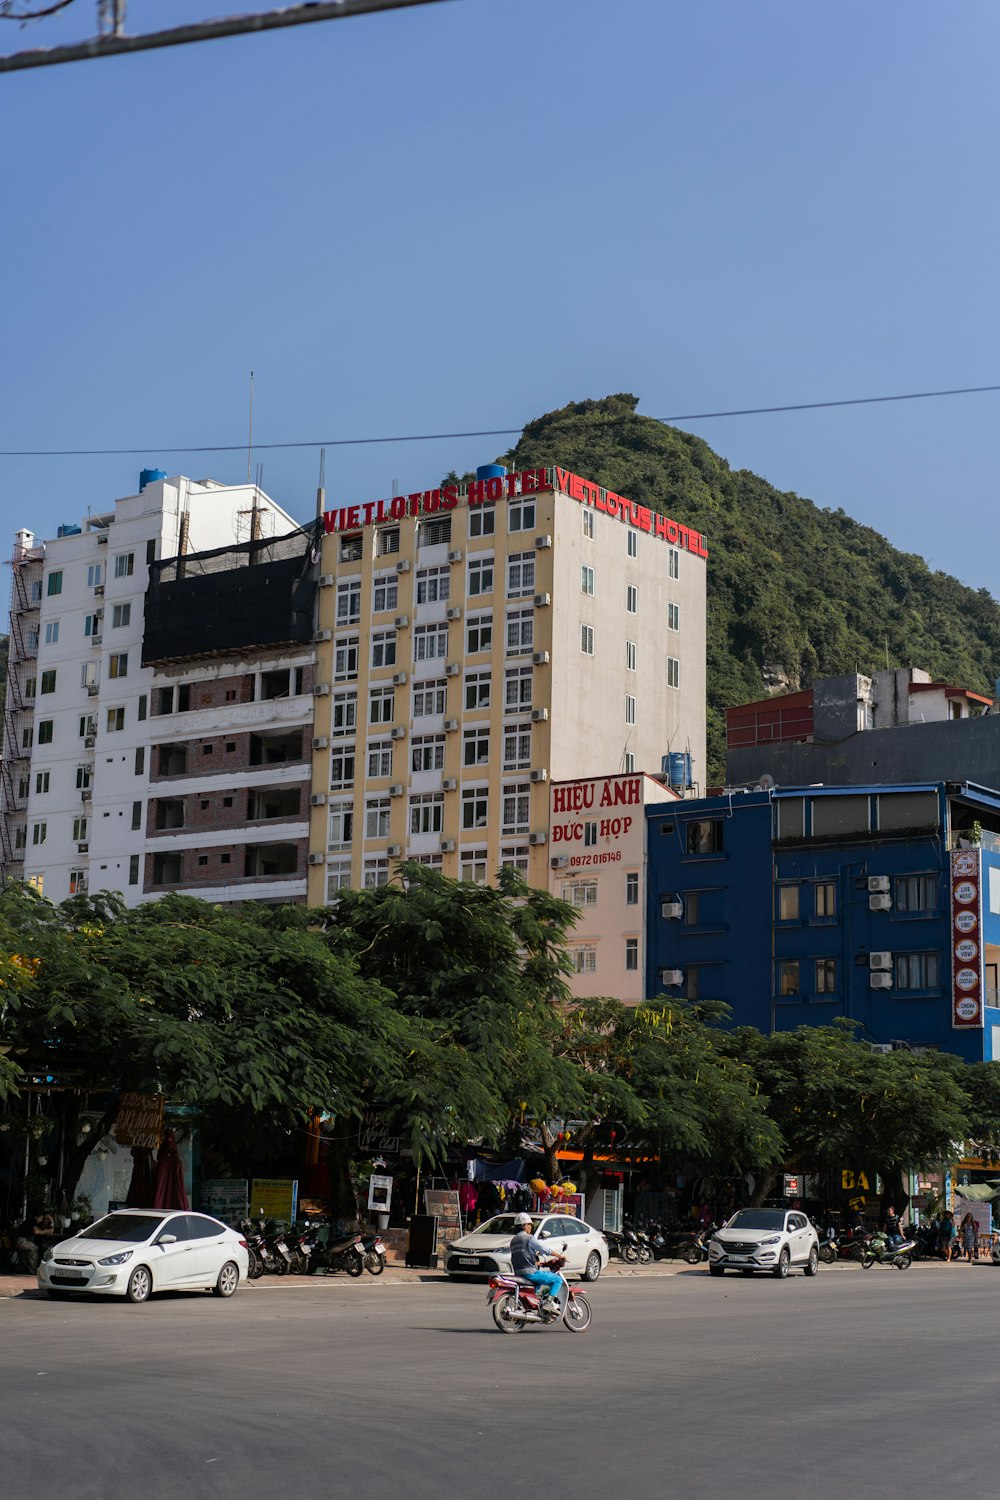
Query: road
(855, 1384)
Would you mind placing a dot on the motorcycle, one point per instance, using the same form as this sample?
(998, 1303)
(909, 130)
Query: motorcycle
(374, 1253)
(516, 1303)
(255, 1240)
(829, 1247)
(881, 1251)
(344, 1254)
(695, 1249)
(617, 1245)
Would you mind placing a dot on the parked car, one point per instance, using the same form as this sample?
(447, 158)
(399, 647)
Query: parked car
(136, 1251)
(486, 1250)
(764, 1239)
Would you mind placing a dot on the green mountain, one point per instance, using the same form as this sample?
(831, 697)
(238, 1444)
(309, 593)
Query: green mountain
(795, 592)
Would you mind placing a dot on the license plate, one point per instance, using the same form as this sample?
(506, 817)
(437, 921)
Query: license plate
(69, 1271)
(737, 1257)
(468, 1260)
(378, 1247)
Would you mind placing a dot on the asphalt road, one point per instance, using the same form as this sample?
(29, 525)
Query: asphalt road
(854, 1384)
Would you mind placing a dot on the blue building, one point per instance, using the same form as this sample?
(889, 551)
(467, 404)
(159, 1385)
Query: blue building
(797, 905)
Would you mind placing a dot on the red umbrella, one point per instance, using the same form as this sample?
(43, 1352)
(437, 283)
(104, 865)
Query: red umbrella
(140, 1188)
(168, 1189)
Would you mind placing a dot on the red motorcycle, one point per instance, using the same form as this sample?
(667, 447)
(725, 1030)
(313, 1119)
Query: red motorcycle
(516, 1302)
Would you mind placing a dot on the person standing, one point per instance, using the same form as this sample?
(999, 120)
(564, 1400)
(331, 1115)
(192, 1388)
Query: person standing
(949, 1234)
(969, 1238)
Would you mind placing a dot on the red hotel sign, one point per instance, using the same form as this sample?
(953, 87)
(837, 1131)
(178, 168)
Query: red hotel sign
(966, 940)
(522, 482)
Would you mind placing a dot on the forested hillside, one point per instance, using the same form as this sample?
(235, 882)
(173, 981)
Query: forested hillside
(795, 592)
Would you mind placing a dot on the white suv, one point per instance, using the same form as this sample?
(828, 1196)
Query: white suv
(764, 1239)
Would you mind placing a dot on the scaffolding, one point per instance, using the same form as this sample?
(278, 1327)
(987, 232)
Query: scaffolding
(19, 702)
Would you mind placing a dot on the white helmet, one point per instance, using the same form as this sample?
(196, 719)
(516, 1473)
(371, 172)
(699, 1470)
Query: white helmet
(524, 1221)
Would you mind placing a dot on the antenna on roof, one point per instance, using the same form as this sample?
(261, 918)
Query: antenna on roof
(321, 487)
(250, 434)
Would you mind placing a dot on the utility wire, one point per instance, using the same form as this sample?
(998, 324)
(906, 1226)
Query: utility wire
(436, 437)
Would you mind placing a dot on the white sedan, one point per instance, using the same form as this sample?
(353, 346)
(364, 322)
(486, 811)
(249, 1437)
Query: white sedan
(136, 1251)
(486, 1250)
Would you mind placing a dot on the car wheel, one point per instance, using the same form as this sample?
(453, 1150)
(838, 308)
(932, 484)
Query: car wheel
(140, 1284)
(716, 1270)
(781, 1269)
(56, 1295)
(578, 1314)
(592, 1269)
(812, 1264)
(502, 1311)
(228, 1280)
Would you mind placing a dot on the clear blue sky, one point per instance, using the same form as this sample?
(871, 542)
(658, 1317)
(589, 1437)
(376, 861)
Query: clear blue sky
(467, 214)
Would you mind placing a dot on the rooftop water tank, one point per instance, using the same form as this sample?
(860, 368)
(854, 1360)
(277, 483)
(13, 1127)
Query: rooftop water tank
(68, 530)
(678, 768)
(491, 471)
(150, 476)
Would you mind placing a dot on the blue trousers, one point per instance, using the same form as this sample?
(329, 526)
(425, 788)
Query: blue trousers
(545, 1281)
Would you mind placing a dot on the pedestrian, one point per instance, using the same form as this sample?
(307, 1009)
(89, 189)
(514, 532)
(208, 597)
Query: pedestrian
(969, 1238)
(949, 1234)
(892, 1229)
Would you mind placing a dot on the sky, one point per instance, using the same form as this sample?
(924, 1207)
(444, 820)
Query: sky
(463, 215)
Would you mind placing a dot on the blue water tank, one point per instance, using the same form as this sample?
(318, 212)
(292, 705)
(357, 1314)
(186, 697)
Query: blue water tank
(150, 476)
(679, 768)
(491, 471)
(68, 530)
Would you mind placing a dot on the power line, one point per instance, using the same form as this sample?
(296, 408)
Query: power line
(439, 437)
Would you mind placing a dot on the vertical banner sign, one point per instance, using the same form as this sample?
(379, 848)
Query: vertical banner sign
(967, 995)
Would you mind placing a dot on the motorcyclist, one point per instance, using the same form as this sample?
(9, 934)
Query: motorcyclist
(525, 1251)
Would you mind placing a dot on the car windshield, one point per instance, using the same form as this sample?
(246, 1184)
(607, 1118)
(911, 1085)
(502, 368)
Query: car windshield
(757, 1218)
(502, 1224)
(131, 1227)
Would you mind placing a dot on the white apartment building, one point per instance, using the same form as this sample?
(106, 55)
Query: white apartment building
(76, 768)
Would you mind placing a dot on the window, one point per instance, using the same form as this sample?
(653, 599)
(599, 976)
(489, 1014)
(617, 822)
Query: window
(377, 817)
(584, 960)
(79, 830)
(520, 631)
(380, 757)
(133, 869)
(29, 687)
(430, 642)
(673, 617)
(629, 709)
(345, 658)
(26, 738)
(45, 731)
(632, 944)
(914, 893)
(48, 682)
(477, 689)
(515, 857)
(478, 634)
(673, 672)
(482, 521)
(41, 783)
(788, 977)
(520, 574)
(476, 746)
(630, 656)
(342, 766)
(137, 815)
(436, 533)
(349, 601)
(51, 632)
(580, 893)
(54, 585)
(143, 706)
(345, 713)
(515, 808)
(826, 899)
(95, 575)
(587, 639)
(433, 585)
(121, 614)
(140, 760)
(516, 747)
(338, 878)
(118, 664)
(521, 516)
(517, 689)
(88, 674)
(475, 807)
(375, 872)
(916, 971)
(151, 550)
(633, 542)
(39, 832)
(587, 579)
(91, 625)
(692, 908)
(704, 837)
(351, 549)
(632, 888)
(427, 752)
(826, 976)
(387, 541)
(673, 562)
(589, 835)
(124, 564)
(480, 575)
(788, 903)
(341, 828)
(383, 648)
(429, 698)
(632, 599)
(82, 778)
(385, 594)
(588, 524)
(472, 866)
(427, 812)
(115, 720)
(629, 762)
(380, 705)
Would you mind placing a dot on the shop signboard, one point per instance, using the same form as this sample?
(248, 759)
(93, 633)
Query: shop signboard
(139, 1121)
(375, 1135)
(967, 987)
(572, 1206)
(274, 1198)
(443, 1204)
(380, 1194)
(225, 1198)
(793, 1185)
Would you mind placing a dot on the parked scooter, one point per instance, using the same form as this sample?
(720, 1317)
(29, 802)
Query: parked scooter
(695, 1249)
(881, 1251)
(829, 1246)
(375, 1254)
(344, 1254)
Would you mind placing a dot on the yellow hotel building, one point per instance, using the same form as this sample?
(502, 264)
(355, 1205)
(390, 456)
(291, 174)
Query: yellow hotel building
(476, 643)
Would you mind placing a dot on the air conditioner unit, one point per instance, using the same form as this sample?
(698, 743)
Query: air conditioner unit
(394, 851)
(89, 741)
(98, 614)
(102, 540)
(320, 742)
(881, 1048)
(316, 859)
(402, 621)
(455, 613)
(318, 799)
(541, 775)
(542, 599)
(93, 688)
(396, 790)
(541, 658)
(398, 679)
(450, 725)
(95, 639)
(539, 715)
(543, 541)
(538, 838)
(559, 861)
(878, 883)
(880, 981)
(86, 794)
(880, 960)
(671, 911)
(326, 580)
(447, 846)
(455, 555)
(321, 690)
(880, 903)
(672, 977)
(323, 635)
(450, 784)
(452, 669)
(398, 733)
(99, 590)
(403, 566)
(83, 848)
